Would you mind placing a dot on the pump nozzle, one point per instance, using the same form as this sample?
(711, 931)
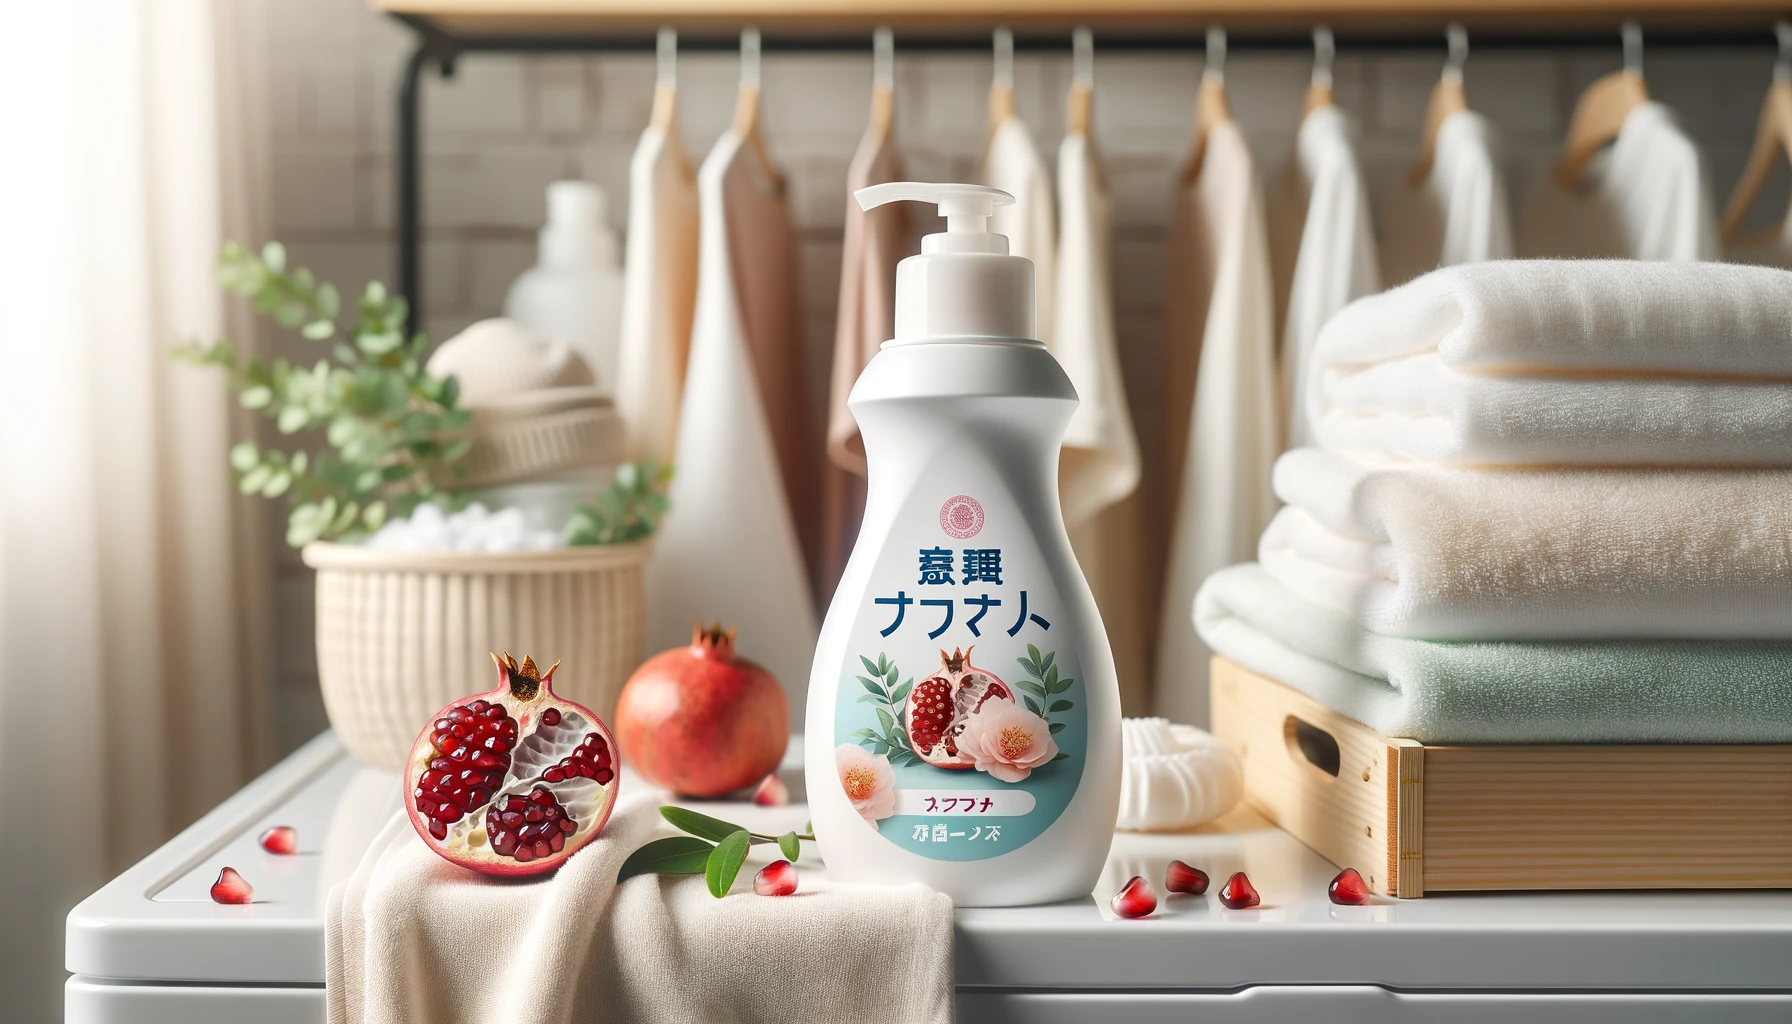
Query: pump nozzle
(967, 209)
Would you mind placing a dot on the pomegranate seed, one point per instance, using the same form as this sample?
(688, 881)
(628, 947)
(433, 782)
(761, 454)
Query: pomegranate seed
(590, 760)
(776, 879)
(1182, 878)
(1135, 899)
(771, 792)
(550, 717)
(528, 828)
(1238, 892)
(1349, 889)
(282, 839)
(473, 743)
(231, 888)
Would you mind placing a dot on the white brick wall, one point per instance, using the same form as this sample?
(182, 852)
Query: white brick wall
(505, 126)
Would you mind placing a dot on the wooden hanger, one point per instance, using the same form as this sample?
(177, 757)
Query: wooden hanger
(883, 82)
(746, 112)
(1600, 114)
(1211, 105)
(1773, 139)
(1319, 90)
(1082, 82)
(1001, 85)
(1447, 97)
(665, 97)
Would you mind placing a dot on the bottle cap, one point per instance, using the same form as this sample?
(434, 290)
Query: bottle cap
(964, 285)
(576, 232)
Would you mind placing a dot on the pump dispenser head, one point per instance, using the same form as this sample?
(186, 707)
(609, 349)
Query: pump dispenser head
(964, 286)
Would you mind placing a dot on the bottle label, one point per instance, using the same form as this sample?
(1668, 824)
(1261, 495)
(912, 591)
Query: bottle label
(960, 724)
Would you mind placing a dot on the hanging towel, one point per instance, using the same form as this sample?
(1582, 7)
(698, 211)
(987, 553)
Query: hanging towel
(1647, 197)
(658, 294)
(1321, 247)
(876, 240)
(1772, 251)
(1098, 469)
(1609, 362)
(1012, 163)
(1520, 554)
(729, 549)
(412, 938)
(1221, 425)
(1614, 691)
(1458, 214)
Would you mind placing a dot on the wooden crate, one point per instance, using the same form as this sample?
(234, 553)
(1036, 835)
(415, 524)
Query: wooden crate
(1416, 819)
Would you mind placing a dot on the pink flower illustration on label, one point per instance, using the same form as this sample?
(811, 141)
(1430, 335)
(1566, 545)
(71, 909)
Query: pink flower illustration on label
(961, 516)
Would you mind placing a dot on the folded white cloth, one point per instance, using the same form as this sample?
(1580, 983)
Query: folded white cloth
(1564, 362)
(1443, 553)
(410, 937)
(1174, 776)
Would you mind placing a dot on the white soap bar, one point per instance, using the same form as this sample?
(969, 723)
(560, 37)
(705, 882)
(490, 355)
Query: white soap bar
(1175, 776)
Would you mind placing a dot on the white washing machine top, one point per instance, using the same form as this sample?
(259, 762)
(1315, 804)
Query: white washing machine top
(156, 922)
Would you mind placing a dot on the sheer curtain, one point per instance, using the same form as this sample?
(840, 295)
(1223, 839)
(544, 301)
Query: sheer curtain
(133, 661)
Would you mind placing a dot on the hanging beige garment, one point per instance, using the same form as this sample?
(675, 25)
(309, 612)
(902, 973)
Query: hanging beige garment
(1098, 470)
(1773, 251)
(1647, 197)
(1458, 214)
(729, 550)
(658, 293)
(1222, 420)
(875, 242)
(1322, 247)
(1013, 164)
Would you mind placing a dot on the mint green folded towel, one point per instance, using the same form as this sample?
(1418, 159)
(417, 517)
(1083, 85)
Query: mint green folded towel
(1443, 692)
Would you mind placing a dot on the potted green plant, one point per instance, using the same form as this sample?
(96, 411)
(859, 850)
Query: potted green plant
(368, 434)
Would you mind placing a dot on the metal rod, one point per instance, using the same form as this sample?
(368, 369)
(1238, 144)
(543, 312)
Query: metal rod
(409, 185)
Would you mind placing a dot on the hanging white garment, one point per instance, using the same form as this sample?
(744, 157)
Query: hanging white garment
(728, 550)
(1098, 470)
(1647, 197)
(1322, 247)
(658, 293)
(1221, 313)
(1458, 214)
(1013, 164)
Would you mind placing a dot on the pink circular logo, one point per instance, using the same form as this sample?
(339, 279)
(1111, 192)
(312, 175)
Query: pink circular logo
(961, 516)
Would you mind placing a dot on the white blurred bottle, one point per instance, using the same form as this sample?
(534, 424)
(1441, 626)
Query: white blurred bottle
(574, 292)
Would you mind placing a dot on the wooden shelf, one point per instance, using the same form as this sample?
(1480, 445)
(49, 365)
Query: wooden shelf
(552, 18)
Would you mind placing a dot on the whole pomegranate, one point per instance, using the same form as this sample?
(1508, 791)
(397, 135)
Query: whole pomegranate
(701, 722)
(938, 706)
(514, 781)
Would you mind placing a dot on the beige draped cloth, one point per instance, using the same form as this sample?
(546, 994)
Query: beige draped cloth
(133, 578)
(875, 242)
(743, 499)
(1221, 426)
(659, 292)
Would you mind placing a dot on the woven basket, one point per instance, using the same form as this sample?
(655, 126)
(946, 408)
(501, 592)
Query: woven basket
(400, 634)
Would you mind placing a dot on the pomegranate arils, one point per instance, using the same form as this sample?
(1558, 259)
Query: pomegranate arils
(281, 839)
(232, 888)
(1349, 889)
(528, 827)
(1181, 877)
(1238, 893)
(771, 792)
(1135, 899)
(776, 879)
(591, 759)
(472, 744)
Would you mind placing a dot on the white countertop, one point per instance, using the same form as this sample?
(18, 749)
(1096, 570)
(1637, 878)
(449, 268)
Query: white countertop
(156, 922)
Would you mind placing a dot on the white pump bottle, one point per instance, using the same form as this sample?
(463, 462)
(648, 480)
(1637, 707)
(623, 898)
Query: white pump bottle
(963, 725)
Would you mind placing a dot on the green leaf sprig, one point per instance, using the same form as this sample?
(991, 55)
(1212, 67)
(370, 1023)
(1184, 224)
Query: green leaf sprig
(715, 849)
(887, 698)
(393, 431)
(1042, 684)
(628, 510)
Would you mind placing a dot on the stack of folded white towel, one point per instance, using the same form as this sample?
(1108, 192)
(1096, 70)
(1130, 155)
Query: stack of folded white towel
(1567, 480)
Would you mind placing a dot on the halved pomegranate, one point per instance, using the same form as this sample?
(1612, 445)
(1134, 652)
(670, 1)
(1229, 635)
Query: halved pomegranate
(514, 781)
(938, 706)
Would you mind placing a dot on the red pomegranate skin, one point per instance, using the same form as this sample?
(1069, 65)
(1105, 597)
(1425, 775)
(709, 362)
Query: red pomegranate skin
(700, 721)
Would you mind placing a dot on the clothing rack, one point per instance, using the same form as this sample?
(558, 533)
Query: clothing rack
(447, 29)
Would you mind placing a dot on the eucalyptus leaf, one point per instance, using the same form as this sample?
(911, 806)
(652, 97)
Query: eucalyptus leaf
(901, 693)
(875, 668)
(790, 846)
(1059, 705)
(292, 419)
(1057, 727)
(254, 480)
(318, 330)
(673, 855)
(244, 456)
(256, 397)
(725, 861)
(698, 824)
